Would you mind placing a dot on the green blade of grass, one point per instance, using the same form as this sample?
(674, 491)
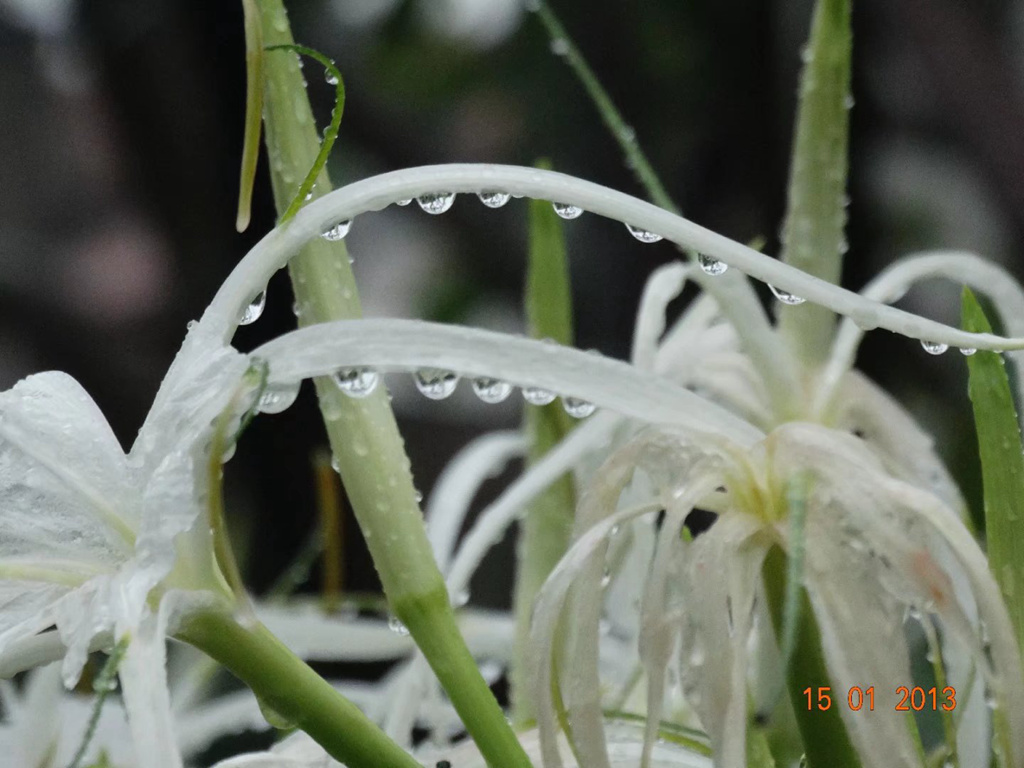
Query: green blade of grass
(812, 234)
(1002, 465)
(547, 528)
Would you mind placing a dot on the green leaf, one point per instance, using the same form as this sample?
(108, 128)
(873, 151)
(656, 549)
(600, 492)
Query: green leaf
(253, 111)
(547, 529)
(826, 742)
(812, 234)
(1002, 465)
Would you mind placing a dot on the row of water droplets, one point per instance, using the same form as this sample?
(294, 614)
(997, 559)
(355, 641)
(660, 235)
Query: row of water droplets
(492, 390)
(439, 384)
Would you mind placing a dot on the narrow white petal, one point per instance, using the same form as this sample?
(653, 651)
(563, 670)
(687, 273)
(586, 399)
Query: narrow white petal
(718, 587)
(892, 283)
(315, 636)
(665, 284)
(379, 191)
(408, 345)
(143, 674)
(494, 520)
(546, 614)
(450, 501)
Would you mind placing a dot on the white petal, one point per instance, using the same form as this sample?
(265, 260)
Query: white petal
(143, 674)
(315, 636)
(491, 524)
(662, 287)
(548, 609)
(410, 344)
(718, 614)
(893, 282)
(458, 484)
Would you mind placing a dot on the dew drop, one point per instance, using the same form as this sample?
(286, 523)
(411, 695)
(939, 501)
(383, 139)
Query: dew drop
(643, 235)
(606, 578)
(786, 297)
(492, 390)
(330, 78)
(933, 347)
(567, 211)
(538, 396)
(255, 308)
(436, 202)
(494, 199)
(278, 398)
(967, 351)
(229, 453)
(337, 232)
(578, 409)
(435, 383)
(395, 625)
(309, 195)
(711, 265)
(459, 599)
(404, 202)
(335, 465)
(560, 46)
(356, 382)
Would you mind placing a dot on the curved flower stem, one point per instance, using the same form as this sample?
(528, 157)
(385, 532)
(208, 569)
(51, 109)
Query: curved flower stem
(363, 435)
(377, 192)
(289, 686)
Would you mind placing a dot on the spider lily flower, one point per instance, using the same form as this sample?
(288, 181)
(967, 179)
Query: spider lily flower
(868, 542)
(132, 558)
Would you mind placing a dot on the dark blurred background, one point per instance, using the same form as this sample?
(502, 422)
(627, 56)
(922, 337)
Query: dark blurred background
(120, 134)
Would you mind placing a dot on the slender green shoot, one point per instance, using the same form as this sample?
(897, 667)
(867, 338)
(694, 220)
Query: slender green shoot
(332, 531)
(796, 503)
(1002, 466)
(547, 527)
(103, 686)
(331, 132)
(624, 134)
(690, 738)
(826, 742)
(812, 233)
(951, 759)
(253, 111)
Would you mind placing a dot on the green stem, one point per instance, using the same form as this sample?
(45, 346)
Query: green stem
(547, 528)
(292, 689)
(363, 434)
(439, 639)
(826, 742)
(623, 133)
(812, 234)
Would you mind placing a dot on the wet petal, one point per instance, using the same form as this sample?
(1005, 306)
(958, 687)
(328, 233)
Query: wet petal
(408, 345)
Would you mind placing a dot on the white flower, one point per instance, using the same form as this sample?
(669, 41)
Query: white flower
(88, 533)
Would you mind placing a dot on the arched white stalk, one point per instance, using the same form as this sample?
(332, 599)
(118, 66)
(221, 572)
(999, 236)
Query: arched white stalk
(891, 284)
(407, 345)
(458, 484)
(377, 192)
